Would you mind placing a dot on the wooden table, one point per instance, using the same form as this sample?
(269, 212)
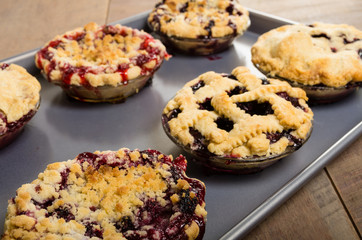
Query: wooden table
(328, 207)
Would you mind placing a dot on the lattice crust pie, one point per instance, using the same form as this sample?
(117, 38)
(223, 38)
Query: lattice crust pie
(179, 21)
(19, 99)
(120, 194)
(238, 115)
(200, 18)
(99, 56)
(326, 54)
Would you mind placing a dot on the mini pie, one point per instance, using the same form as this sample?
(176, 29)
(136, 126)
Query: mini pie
(318, 54)
(200, 20)
(124, 194)
(19, 99)
(238, 115)
(96, 56)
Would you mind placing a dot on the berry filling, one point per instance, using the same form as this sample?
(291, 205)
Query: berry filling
(360, 53)
(256, 108)
(294, 101)
(321, 35)
(225, 124)
(237, 90)
(200, 142)
(197, 86)
(3, 66)
(274, 137)
(206, 105)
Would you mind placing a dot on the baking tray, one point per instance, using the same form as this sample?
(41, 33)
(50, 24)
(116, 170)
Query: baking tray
(62, 128)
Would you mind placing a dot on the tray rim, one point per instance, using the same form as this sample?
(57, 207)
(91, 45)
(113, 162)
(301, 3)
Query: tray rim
(258, 214)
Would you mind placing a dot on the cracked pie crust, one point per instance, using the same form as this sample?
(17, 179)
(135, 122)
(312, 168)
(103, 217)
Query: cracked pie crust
(316, 54)
(238, 115)
(124, 194)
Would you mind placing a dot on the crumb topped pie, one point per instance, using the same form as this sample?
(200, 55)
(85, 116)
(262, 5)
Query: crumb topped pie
(19, 100)
(101, 63)
(312, 56)
(189, 25)
(238, 117)
(124, 194)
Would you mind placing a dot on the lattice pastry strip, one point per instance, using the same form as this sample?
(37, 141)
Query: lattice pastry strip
(238, 115)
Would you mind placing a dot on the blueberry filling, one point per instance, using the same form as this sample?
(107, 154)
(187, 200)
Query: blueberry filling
(346, 41)
(200, 141)
(274, 137)
(174, 113)
(237, 90)
(294, 101)
(45, 204)
(206, 105)
(187, 204)
(322, 35)
(255, 108)
(360, 53)
(197, 86)
(233, 27)
(63, 212)
(91, 231)
(125, 224)
(233, 77)
(64, 175)
(225, 124)
(209, 26)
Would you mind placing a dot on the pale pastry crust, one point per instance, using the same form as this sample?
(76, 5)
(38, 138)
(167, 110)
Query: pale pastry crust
(19, 92)
(200, 18)
(97, 56)
(109, 195)
(320, 53)
(202, 102)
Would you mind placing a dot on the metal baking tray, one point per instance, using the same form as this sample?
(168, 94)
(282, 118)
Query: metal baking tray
(62, 128)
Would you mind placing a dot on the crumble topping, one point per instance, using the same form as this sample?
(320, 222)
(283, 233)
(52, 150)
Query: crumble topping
(19, 93)
(320, 53)
(238, 115)
(100, 55)
(120, 194)
(199, 19)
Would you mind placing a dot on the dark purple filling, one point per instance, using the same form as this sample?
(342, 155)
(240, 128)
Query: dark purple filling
(225, 124)
(125, 224)
(321, 35)
(274, 137)
(13, 126)
(206, 105)
(346, 41)
(256, 108)
(197, 86)
(230, 76)
(63, 212)
(230, 9)
(64, 175)
(333, 49)
(233, 27)
(91, 231)
(45, 204)
(200, 141)
(237, 90)
(294, 101)
(360, 53)
(174, 113)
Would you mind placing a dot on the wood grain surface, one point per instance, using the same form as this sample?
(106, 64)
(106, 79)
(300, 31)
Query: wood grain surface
(328, 207)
